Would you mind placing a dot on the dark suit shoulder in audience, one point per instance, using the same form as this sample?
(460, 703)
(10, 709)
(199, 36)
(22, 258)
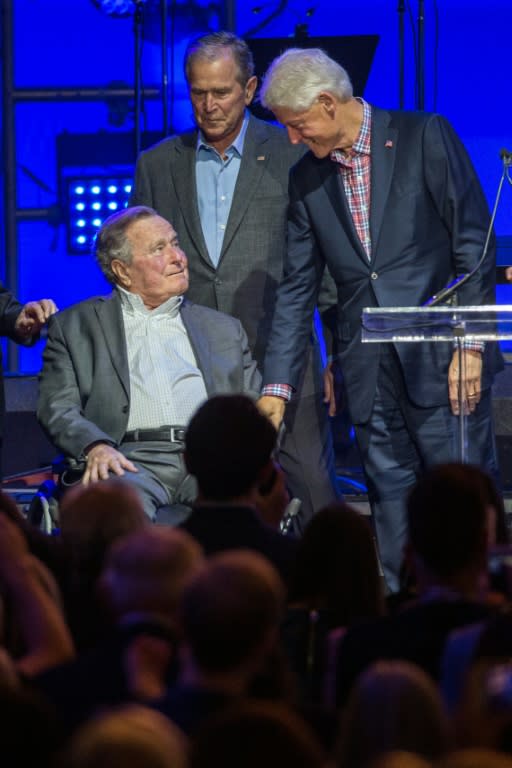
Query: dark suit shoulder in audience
(218, 528)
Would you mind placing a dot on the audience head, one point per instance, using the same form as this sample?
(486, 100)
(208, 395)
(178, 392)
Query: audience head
(394, 705)
(230, 612)
(296, 80)
(400, 759)
(483, 717)
(448, 522)
(132, 737)
(475, 758)
(228, 447)
(92, 517)
(146, 571)
(336, 566)
(256, 734)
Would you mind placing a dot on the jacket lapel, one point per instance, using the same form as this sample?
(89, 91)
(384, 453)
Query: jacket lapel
(333, 185)
(255, 158)
(383, 147)
(182, 169)
(199, 340)
(108, 311)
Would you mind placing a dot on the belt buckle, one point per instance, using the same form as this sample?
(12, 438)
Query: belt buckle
(174, 438)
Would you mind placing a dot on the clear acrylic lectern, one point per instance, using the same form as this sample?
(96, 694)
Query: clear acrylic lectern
(436, 324)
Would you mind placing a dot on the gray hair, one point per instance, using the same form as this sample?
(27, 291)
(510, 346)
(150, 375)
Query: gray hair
(296, 78)
(213, 46)
(111, 241)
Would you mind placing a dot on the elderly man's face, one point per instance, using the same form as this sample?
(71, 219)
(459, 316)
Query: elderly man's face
(218, 99)
(159, 268)
(328, 124)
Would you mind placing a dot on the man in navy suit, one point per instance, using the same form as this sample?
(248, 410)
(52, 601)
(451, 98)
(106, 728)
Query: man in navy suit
(390, 203)
(224, 187)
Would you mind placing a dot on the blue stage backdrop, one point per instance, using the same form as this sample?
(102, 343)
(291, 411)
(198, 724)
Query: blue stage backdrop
(61, 44)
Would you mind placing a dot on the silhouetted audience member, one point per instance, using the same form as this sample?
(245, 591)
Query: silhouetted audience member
(448, 536)
(475, 758)
(91, 518)
(229, 448)
(400, 759)
(131, 737)
(230, 614)
(256, 734)
(29, 733)
(483, 717)
(141, 584)
(33, 628)
(393, 706)
(335, 583)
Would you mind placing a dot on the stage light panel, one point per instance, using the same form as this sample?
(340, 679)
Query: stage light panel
(88, 201)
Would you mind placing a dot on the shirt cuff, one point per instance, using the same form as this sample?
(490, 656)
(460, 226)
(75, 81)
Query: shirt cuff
(283, 391)
(476, 346)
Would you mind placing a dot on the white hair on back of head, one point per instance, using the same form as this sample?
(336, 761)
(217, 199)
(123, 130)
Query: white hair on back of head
(296, 78)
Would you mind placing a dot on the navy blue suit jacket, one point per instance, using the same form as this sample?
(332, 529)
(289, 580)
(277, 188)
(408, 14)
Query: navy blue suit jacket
(428, 222)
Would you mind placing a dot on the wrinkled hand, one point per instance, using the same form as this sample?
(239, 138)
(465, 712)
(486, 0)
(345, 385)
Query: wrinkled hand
(102, 459)
(273, 408)
(329, 389)
(471, 381)
(34, 315)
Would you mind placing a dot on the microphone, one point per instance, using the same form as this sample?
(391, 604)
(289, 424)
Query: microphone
(455, 284)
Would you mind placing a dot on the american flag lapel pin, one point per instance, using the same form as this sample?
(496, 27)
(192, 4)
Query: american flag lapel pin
(388, 144)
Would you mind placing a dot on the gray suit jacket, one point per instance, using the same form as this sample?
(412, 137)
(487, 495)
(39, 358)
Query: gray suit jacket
(245, 281)
(84, 385)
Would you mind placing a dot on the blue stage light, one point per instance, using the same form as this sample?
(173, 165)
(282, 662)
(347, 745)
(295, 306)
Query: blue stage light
(98, 198)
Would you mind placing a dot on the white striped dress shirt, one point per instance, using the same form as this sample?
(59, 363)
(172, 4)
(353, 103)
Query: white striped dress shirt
(166, 386)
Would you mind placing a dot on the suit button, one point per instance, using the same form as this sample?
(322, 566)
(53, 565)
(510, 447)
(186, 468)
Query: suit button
(217, 281)
(374, 275)
(124, 409)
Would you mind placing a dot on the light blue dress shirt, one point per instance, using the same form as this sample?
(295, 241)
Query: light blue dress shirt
(215, 180)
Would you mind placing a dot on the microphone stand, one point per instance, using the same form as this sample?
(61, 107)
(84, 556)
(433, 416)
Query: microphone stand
(455, 284)
(451, 288)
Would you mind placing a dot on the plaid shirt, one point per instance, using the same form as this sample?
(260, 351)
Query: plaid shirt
(355, 168)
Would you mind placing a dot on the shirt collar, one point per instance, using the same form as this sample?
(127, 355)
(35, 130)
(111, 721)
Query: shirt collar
(132, 303)
(362, 144)
(236, 146)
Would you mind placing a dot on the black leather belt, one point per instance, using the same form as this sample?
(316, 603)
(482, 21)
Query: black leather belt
(158, 434)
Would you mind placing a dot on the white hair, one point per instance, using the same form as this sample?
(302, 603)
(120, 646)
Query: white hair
(296, 78)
